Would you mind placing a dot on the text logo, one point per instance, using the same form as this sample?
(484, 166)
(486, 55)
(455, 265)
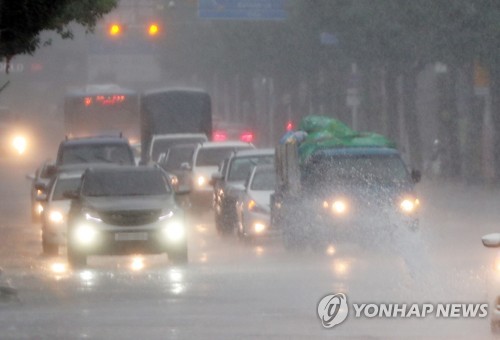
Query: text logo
(333, 310)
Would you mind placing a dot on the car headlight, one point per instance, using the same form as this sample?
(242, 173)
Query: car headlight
(338, 207)
(409, 205)
(20, 144)
(174, 231)
(174, 181)
(39, 208)
(201, 181)
(85, 234)
(259, 227)
(56, 216)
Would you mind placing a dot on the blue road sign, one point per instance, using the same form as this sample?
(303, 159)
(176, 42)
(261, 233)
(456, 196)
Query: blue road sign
(242, 9)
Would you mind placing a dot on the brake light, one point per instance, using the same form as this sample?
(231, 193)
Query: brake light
(246, 137)
(219, 136)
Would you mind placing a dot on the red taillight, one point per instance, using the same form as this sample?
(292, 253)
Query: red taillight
(289, 126)
(219, 136)
(246, 137)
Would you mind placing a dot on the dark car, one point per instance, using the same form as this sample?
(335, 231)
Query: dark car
(229, 184)
(125, 210)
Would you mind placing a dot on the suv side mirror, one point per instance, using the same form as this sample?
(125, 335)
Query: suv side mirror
(491, 240)
(416, 176)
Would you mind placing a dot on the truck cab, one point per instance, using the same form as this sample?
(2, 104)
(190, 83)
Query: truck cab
(353, 194)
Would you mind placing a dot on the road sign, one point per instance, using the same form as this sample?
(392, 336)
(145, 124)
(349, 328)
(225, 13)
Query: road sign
(242, 9)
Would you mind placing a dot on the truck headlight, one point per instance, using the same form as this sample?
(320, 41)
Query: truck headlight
(85, 234)
(338, 207)
(409, 205)
(259, 227)
(20, 144)
(174, 231)
(56, 216)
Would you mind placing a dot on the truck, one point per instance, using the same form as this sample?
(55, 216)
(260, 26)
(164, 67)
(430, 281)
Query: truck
(336, 185)
(178, 111)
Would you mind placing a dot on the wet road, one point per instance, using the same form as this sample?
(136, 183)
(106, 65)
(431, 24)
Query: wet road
(230, 290)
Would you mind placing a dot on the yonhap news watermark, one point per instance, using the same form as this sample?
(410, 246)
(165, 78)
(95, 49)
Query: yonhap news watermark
(334, 309)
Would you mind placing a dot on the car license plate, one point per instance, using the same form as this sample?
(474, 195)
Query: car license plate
(131, 236)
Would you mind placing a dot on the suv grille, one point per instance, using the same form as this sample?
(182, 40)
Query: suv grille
(130, 218)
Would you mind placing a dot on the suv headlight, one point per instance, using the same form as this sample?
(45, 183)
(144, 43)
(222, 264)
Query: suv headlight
(85, 234)
(174, 231)
(409, 205)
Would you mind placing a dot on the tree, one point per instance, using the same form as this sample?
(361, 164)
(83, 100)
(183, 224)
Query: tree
(22, 21)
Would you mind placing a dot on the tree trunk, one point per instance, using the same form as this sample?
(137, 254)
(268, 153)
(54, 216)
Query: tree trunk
(391, 92)
(411, 120)
(448, 123)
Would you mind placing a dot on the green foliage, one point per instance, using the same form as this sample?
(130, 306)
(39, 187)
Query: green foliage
(22, 21)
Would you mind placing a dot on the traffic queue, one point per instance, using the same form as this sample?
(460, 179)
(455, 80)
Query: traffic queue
(321, 184)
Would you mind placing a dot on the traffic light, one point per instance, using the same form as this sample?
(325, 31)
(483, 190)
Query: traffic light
(115, 30)
(153, 30)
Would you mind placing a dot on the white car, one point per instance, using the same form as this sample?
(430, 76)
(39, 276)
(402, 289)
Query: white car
(55, 211)
(206, 160)
(254, 206)
(493, 241)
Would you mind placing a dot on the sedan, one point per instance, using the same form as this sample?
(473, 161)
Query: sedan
(125, 210)
(253, 207)
(55, 211)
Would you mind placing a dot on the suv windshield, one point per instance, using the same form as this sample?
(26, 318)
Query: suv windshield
(95, 153)
(242, 166)
(364, 169)
(125, 183)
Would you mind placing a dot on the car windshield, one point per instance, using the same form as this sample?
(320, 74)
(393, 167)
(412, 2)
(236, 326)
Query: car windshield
(263, 180)
(95, 153)
(241, 167)
(163, 145)
(354, 170)
(125, 183)
(177, 156)
(214, 156)
(63, 185)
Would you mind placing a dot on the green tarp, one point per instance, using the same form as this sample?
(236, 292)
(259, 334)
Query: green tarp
(326, 133)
